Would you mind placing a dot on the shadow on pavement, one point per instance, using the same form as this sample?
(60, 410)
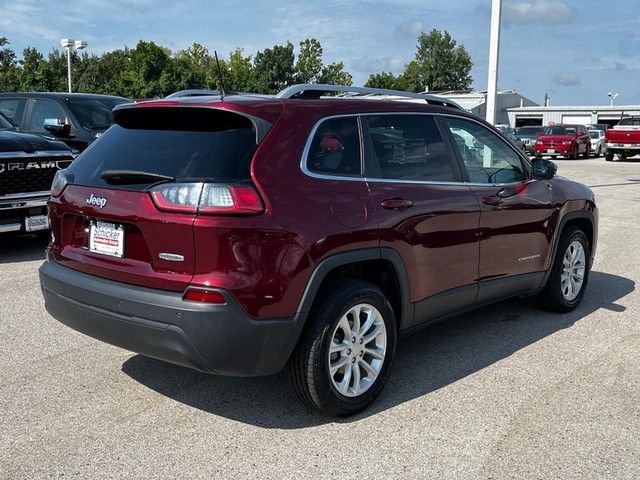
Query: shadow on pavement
(22, 248)
(427, 361)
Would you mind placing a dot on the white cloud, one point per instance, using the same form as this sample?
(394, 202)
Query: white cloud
(565, 79)
(409, 29)
(541, 11)
(366, 64)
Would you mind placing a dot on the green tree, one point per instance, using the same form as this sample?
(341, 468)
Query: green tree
(239, 74)
(51, 75)
(141, 77)
(31, 60)
(9, 71)
(382, 80)
(274, 68)
(336, 74)
(309, 65)
(440, 64)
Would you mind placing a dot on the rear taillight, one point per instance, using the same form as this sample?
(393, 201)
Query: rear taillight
(204, 296)
(60, 182)
(207, 198)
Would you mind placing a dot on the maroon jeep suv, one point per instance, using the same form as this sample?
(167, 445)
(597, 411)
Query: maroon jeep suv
(243, 234)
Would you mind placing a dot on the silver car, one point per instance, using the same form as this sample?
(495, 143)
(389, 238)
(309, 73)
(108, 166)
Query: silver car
(597, 142)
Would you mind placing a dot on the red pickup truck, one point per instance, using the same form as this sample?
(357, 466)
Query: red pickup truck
(623, 139)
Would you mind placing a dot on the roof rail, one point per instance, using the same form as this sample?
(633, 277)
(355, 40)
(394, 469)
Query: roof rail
(318, 90)
(193, 93)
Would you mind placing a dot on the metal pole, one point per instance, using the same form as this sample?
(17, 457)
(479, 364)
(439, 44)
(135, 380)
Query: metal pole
(494, 50)
(69, 66)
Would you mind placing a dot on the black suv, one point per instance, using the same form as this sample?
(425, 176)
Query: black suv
(75, 118)
(28, 164)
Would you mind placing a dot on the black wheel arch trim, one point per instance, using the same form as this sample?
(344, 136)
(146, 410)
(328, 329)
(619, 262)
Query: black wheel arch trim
(326, 265)
(567, 217)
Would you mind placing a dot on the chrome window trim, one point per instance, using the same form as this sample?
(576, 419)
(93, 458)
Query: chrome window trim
(361, 178)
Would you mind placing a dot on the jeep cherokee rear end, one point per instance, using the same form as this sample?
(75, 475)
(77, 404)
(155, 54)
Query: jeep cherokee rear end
(234, 236)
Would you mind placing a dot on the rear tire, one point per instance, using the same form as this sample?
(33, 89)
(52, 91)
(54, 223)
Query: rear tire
(608, 156)
(587, 152)
(333, 373)
(569, 274)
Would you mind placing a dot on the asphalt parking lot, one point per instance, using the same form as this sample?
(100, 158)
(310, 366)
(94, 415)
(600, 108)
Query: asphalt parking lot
(505, 392)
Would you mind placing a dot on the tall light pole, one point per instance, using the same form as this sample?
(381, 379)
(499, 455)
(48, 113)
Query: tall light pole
(494, 50)
(612, 97)
(70, 44)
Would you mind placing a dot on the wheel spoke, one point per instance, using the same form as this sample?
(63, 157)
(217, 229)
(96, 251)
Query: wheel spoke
(375, 353)
(371, 317)
(373, 334)
(343, 386)
(372, 373)
(337, 347)
(345, 327)
(338, 365)
(355, 370)
(356, 319)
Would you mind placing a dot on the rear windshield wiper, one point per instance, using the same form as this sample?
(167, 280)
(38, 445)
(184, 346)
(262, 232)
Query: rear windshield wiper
(125, 177)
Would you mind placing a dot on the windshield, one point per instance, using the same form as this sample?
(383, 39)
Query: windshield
(595, 135)
(560, 131)
(94, 113)
(528, 130)
(5, 123)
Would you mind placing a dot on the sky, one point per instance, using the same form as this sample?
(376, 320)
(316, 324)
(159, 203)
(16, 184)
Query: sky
(575, 50)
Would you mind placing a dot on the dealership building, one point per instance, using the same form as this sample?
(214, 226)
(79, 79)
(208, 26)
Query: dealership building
(581, 115)
(476, 102)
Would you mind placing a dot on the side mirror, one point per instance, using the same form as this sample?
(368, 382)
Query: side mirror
(56, 127)
(544, 169)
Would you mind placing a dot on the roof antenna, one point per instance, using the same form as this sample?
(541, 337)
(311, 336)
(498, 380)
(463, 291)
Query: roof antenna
(222, 93)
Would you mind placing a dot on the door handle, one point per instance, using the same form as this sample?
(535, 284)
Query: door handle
(397, 204)
(492, 200)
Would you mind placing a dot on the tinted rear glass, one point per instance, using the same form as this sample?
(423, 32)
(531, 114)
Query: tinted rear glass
(188, 145)
(630, 121)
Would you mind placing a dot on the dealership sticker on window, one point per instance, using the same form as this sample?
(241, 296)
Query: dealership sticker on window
(106, 238)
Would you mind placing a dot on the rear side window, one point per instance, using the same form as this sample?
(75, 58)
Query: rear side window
(188, 144)
(630, 121)
(13, 108)
(409, 147)
(335, 148)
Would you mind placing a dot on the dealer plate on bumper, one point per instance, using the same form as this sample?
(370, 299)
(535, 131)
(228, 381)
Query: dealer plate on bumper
(106, 238)
(35, 223)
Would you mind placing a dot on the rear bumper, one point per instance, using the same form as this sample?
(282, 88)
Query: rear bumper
(622, 147)
(219, 339)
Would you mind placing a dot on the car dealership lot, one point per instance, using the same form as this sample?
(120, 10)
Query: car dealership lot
(505, 392)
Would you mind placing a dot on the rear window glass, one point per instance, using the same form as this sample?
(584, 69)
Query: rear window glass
(186, 144)
(630, 121)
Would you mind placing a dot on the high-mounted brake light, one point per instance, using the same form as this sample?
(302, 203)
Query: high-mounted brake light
(61, 179)
(207, 198)
(204, 296)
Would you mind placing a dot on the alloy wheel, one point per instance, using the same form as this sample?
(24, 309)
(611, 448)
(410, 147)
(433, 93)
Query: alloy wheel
(357, 350)
(573, 270)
